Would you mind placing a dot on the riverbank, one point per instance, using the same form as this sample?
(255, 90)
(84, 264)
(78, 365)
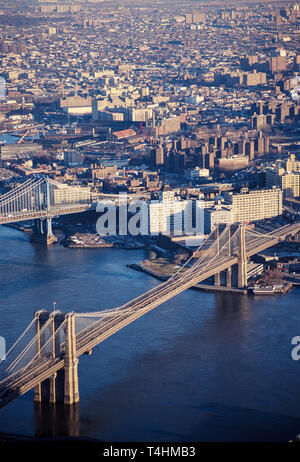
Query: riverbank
(25, 228)
(161, 268)
(203, 287)
(83, 240)
(93, 241)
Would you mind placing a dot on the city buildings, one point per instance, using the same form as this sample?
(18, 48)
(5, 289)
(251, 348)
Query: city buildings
(166, 216)
(202, 96)
(64, 194)
(73, 158)
(286, 177)
(196, 173)
(254, 205)
(189, 111)
(288, 182)
(216, 215)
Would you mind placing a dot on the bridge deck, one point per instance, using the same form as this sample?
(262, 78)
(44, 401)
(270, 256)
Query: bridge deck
(47, 213)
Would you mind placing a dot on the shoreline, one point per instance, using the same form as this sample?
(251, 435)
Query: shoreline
(202, 287)
(207, 287)
(88, 240)
(91, 243)
(94, 241)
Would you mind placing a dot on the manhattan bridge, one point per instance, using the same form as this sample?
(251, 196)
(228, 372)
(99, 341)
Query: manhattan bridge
(33, 200)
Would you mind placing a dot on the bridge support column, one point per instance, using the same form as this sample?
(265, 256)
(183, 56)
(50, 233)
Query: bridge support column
(217, 276)
(39, 226)
(41, 317)
(50, 390)
(217, 279)
(50, 236)
(38, 388)
(242, 259)
(229, 270)
(71, 390)
(228, 277)
(49, 227)
(56, 380)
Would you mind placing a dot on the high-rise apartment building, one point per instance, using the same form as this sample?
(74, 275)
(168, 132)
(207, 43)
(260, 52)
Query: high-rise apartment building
(288, 182)
(216, 215)
(64, 194)
(278, 62)
(166, 217)
(254, 205)
(292, 165)
(158, 156)
(195, 18)
(254, 78)
(235, 162)
(287, 179)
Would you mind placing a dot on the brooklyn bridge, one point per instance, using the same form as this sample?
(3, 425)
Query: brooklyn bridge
(45, 356)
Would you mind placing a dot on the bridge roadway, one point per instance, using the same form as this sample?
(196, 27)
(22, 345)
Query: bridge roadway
(25, 379)
(46, 213)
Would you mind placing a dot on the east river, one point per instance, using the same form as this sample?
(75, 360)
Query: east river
(201, 367)
(8, 138)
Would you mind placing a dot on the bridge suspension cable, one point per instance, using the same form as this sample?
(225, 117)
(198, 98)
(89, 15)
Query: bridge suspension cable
(31, 196)
(26, 187)
(25, 353)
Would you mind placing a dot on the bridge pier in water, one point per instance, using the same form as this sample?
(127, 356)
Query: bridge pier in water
(236, 275)
(62, 386)
(43, 231)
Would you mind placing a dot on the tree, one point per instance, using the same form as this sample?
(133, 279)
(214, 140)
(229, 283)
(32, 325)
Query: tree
(179, 258)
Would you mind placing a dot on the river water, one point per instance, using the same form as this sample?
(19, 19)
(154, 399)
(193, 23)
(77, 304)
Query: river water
(8, 138)
(201, 367)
